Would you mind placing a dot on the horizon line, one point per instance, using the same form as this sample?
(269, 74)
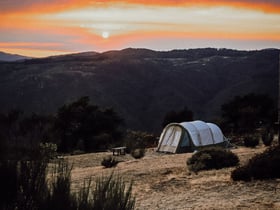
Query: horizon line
(132, 48)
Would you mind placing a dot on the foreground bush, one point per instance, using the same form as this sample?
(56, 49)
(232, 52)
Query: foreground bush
(23, 184)
(262, 166)
(212, 158)
(111, 193)
(24, 187)
(59, 194)
(109, 162)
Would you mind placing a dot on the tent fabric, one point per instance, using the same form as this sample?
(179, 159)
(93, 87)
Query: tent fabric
(183, 136)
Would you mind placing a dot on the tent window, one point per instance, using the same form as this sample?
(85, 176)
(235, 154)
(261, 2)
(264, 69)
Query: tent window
(186, 140)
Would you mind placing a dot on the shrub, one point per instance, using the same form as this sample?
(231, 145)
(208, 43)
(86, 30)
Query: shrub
(267, 137)
(212, 158)
(59, 194)
(241, 173)
(139, 139)
(109, 162)
(251, 141)
(48, 150)
(8, 183)
(108, 192)
(23, 184)
(138, 153)
(262, 166)
(112, 193)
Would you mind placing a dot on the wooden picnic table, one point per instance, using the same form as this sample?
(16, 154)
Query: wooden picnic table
(118, 150)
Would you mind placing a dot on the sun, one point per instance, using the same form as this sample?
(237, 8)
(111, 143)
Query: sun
(105, 34)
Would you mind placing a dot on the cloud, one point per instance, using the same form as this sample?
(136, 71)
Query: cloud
(196, 20)
(58, 5)
(7, 6)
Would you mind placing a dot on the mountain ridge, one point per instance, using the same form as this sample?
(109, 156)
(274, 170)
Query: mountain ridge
(140, 84)
(8, 57)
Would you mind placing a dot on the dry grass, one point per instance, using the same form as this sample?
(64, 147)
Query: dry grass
(163, 182)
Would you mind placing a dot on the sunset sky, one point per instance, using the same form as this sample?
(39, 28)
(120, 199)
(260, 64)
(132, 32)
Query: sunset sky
(48, 27)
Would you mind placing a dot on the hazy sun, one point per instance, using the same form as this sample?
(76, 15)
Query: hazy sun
(105, 35)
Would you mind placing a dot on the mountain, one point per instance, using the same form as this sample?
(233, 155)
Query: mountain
(140, 84)
(11, 57)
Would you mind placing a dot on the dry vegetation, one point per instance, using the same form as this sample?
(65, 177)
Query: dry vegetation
(162, 181)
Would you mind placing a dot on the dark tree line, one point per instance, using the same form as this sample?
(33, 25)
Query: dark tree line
(242, 114)
(78, 125)
(81, 125)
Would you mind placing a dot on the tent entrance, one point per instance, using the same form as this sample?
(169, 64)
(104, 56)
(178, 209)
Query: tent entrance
(171, 139)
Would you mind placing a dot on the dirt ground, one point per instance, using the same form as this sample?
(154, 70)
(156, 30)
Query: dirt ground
(162, 181)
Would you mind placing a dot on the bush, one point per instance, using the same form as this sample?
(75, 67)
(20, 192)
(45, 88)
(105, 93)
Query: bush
(59, 194)
(138, 153)
(241, 173)
(8, 183)
(112, 193)
(109, 162)
(24, 186)
(267, 137)
(262, 166)
(251, 141)
(48, 150)
(107, 193)
(212, 158)
(139, 139)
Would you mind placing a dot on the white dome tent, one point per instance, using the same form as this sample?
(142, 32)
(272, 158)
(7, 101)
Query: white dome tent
(189, 136)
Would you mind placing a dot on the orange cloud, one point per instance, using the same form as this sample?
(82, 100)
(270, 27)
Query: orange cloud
(29, 45)
(38, 6)
(33, 49)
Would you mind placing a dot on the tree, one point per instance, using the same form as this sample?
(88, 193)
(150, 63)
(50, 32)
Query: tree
(176, 117)
(82, 123)
(246, 113)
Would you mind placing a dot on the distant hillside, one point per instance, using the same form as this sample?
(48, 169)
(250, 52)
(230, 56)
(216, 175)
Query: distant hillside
(11, 57)
(140, 84)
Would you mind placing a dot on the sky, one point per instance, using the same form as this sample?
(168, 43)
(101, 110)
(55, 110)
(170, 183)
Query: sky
(40, 28)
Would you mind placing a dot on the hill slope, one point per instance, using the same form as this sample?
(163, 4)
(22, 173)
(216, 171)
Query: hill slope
(163, 181)
(142, 85)
(11, 57)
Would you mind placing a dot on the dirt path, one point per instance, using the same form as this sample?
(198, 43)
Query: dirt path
(163, 182)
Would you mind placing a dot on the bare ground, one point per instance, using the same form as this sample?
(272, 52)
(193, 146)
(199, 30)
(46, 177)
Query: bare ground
(162, 181)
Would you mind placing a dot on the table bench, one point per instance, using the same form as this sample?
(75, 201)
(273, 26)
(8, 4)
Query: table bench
(118, 150)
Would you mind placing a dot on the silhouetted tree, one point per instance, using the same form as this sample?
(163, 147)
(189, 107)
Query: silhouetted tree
(82, 123)
(177, 117)
(246, 113)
